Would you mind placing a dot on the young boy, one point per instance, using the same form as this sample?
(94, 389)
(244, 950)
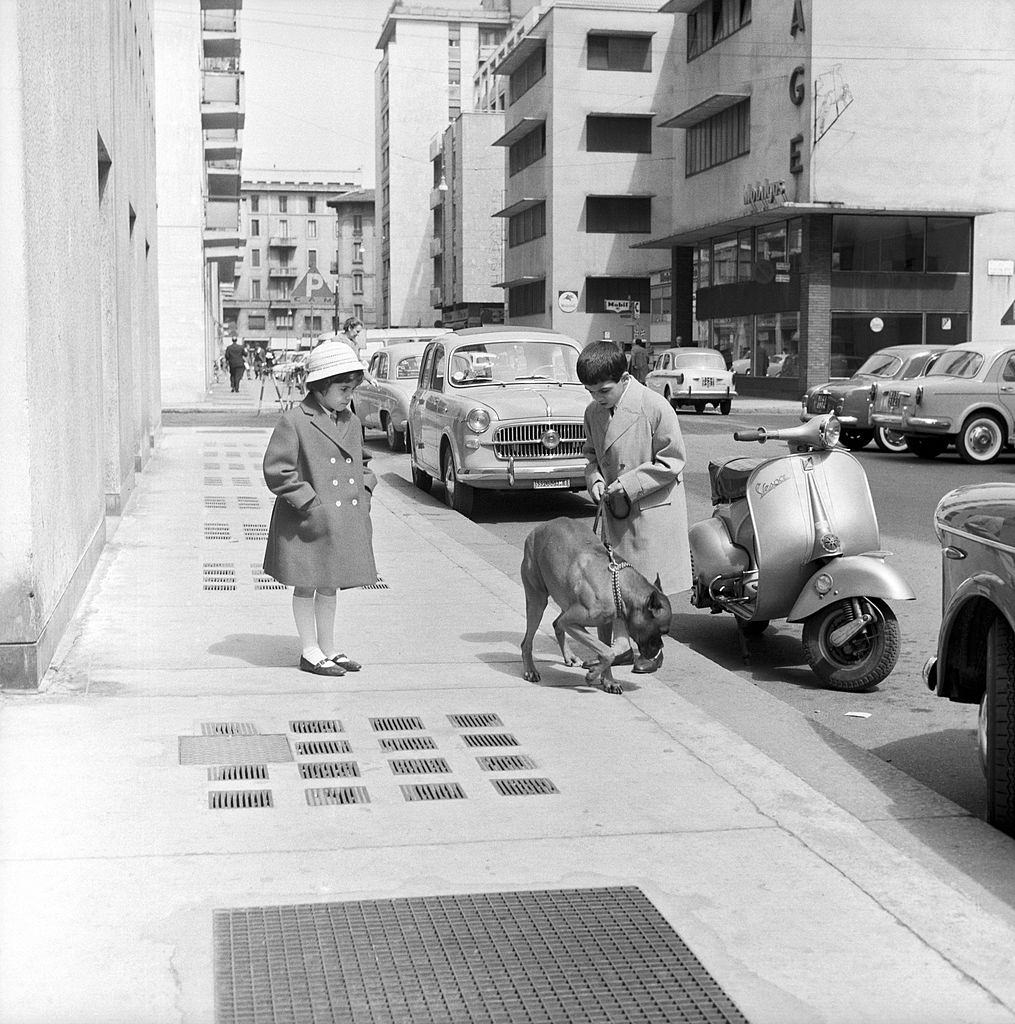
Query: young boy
(634, 450)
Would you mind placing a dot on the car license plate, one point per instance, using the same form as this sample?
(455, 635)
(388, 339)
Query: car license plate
(820, 403)
(545, 485)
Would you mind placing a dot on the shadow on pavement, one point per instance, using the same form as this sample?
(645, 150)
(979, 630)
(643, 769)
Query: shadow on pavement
(263, 650)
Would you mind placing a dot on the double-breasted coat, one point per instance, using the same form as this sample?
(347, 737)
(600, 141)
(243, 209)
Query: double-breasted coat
(320, 533)
(641, 446)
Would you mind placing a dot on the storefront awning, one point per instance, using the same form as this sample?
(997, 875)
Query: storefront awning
(692, 235)
(715, 104)
(515, 281)
(518, 131)
(519, 205)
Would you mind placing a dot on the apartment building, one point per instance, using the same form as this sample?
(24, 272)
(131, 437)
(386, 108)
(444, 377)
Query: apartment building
(81, 410)
(288, 287)
(842, 180)
(200, 114)
(467, 247)
(427, 53)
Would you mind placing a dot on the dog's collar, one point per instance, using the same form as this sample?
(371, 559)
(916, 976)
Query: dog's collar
(615, 568)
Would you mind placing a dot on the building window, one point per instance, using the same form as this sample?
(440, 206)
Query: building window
(311, 229)
(527, 150)
(283, 320)
(283, 228)
(312, 259)
(255, 228)
(718, 139)
(724, 260)
(713, 21)
(283, 204)
(528, 224)
(531, 71)
(618, 215)
(311, 323)
(599, 289)
(311, 204)
(901, 244)
(255, 323)
(454, 35)
(527, 299)
(255, 289)
(618, 134)
(255, 204)
(357, 284)
(619, 53)
(357, 223)
(357, 311)
(357, 252)
(255, 257)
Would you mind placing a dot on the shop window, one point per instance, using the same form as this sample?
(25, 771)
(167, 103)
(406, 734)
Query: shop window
(526, 76)
(948, 245)
(745, 256)
(777, 345)
(724, 260)
(703, 266)
(527, 299)
(733, 336)
(619, 53)
(718, 139)
(527, 225)
(878, 244)
(255, 323)
(599, 289)
(794, 243)
(772, 242)
(618, 215)
(527, 150)
(855, 336)
(618, 134)
(947, 328)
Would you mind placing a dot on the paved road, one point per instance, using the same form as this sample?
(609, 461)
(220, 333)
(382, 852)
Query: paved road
(931, 739)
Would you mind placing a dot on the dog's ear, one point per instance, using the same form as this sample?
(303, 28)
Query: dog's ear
(656, 601)
(658, 584)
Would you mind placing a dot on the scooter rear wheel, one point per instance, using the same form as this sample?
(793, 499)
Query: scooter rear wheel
(865, 659)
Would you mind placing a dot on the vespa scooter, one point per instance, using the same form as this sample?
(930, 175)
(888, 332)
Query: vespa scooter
(796, 537)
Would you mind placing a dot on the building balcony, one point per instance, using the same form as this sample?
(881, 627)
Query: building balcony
(282, 270)
(219, 33)
(282, 242)
(221, 5)
(436, 297)
(222, 214)
(229, 65)
(223, 177)
(222, 144)
(437, 195)
(222, 100)
(436, 246)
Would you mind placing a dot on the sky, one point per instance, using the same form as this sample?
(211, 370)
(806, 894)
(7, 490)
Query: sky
(309, 77)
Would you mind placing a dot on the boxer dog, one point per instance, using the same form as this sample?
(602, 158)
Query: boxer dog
(565, 560)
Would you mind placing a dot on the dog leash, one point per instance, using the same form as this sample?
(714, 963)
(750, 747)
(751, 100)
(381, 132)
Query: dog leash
(615, 565)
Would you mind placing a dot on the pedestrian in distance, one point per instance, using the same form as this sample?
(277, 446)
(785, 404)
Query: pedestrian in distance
(320, 538)
(639, 360)
(635, 457)
(354, 335)
(236, 360)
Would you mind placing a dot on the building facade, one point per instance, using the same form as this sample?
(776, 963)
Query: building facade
(427, 53)
(200, 115)
(300, 255)
(80, 345)
(586, 172)
(845, 190)
(467, 247)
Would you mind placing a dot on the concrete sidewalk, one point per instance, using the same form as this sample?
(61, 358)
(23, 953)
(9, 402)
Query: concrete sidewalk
(113, 862)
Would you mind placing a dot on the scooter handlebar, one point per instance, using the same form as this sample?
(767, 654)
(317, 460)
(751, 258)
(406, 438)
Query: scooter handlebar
(760, 435)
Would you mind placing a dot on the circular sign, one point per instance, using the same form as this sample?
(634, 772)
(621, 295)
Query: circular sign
(568, 301)
(877, 324)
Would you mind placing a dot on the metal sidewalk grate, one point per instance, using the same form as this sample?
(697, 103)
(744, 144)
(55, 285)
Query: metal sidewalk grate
(329, 770)
(379, 585)
(237, 772)
(400, 743)
(255, 531)
(524, 787)
(491, 739)
(506, 763)
(217, 531)
(270, 748)
(247, 501)
(240, 799)
(478, 721)
(334, 795)
(213, 481)
(228, 729)
(433, 791)
(218, 576)
(419, 766)
(314, 748)
(214, 501)
(571, 956)
(403, 723)
(315, 725)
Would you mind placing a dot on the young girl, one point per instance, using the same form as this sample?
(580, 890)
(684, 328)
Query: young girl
(320, 539)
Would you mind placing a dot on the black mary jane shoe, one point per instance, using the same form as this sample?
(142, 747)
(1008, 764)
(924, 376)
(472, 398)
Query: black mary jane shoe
(344, 661)
(325, 667)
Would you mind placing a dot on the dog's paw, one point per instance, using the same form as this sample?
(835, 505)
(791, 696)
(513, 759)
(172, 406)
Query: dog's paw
(531, 676)
(611, 686)
(571, 660)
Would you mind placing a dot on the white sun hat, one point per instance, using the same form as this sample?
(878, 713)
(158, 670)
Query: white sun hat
(331, 358)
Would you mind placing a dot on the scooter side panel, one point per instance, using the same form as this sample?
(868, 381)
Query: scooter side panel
(852, 576)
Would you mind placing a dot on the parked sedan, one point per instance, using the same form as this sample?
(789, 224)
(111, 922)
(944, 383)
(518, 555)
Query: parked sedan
(975, 661)
(852, 400)
(695, 377)
(498, 408)
(967, 398)
(382, 400)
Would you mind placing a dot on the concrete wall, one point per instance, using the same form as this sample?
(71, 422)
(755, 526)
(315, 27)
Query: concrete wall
(80, 340)
(180, 163)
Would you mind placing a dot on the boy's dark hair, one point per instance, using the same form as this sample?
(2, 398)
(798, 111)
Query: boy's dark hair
(601, 362)
(340, 378)
(350, 322)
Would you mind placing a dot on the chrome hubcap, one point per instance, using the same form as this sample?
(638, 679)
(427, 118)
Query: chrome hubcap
(982, 439)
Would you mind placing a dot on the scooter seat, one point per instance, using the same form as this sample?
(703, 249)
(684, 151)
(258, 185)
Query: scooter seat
(729, 480)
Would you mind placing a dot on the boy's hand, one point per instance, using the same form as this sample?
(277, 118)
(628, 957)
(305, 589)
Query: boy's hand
(596, 491)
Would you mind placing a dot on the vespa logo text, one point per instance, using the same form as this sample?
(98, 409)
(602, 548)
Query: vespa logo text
(770, 485)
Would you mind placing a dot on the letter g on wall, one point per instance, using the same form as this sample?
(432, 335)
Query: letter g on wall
(796, 85)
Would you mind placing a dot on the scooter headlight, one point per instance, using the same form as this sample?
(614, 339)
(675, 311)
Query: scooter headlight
(830, 431)
(823, 584)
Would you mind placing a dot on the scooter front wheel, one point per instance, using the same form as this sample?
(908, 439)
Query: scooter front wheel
(862, 661)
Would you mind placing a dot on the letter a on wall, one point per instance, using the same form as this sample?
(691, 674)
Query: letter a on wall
(797, 24)
(1008, 320)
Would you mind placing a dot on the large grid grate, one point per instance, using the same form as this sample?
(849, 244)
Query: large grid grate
(571, 956)
(269, 748)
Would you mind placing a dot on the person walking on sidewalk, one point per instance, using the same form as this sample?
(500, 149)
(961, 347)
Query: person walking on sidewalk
(635, 456)
(236, 360)
(353, 334)
(320, 539)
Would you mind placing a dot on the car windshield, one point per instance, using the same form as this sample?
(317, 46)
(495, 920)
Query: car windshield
(880, 365)
(407, 368)
(706, 359)
(960, 363)
(510, 362)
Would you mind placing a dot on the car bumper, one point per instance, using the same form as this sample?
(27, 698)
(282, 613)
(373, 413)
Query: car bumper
(702, 394)
(926, 425)
(853, 422)
(525, 476)
(887, 420)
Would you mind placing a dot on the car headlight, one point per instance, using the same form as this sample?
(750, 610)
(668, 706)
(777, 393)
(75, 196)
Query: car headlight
(829, 431)
(478, 420)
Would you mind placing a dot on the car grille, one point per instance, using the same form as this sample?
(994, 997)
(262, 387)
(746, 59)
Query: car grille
(525, 441)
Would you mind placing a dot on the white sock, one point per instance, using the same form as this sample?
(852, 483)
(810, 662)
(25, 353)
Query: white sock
(324, 613)
(306, 626)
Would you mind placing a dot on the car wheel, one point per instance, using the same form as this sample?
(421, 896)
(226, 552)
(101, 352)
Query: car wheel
(865, 659)
(420, 478)
(699, 407)
(996, 727)
(396, 439)
(981, 438)
(926, 447)
(890, 440)
(855, 440)
(458, 496)
(724, 407)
